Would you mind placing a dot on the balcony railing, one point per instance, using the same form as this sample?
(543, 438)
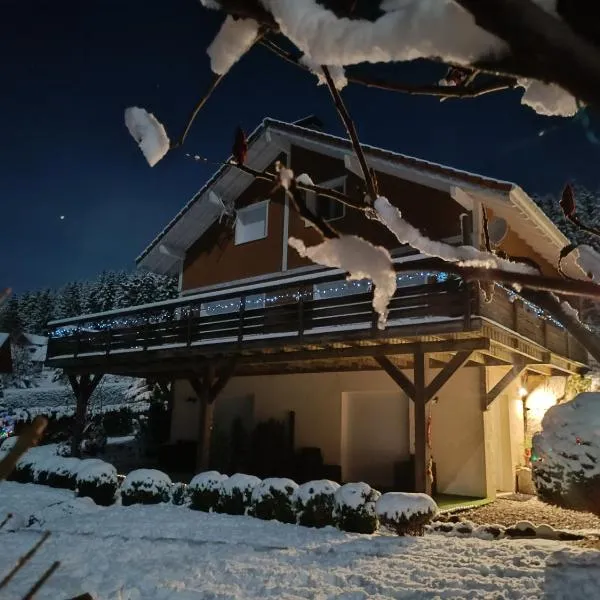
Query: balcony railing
(298, 309)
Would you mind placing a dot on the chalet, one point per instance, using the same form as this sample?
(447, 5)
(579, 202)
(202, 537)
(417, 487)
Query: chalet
(23, 347)
(260, 334)
(5, 354)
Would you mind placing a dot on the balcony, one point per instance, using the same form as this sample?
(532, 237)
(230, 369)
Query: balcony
(311, 311)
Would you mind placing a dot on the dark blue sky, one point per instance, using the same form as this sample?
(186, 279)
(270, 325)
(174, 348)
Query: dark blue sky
(69, 68)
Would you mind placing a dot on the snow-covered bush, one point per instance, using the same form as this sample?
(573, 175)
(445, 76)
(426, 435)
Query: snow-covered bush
(146, 486)
(355, 508)
(180, 494)
(205, 490)
(63, 473)
(405, 514)
(97, 480)
(236, 494)
(314, 503)
(566, 454)
(272, 499)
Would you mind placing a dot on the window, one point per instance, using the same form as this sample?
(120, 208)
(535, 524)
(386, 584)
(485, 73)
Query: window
(251, 223)
(328, 208)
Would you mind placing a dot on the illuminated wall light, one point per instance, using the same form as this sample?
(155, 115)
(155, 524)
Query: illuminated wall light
(537, 403)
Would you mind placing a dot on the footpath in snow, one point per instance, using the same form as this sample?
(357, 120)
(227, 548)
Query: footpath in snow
(164, 551)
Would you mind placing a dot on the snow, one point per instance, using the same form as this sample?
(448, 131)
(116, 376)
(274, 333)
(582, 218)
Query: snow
(408, 30)
(304, 179)
(162, 552)
(149, 480)
(307, 491)
(267, 486)
(354, 495)
(589, 261)
(395, 505)
(337, 73)
(406, 233)
(96, 470)
(239, 482)
(148, 132)
(209, 480)
(232, 41)
(362, 260)
(569, 441)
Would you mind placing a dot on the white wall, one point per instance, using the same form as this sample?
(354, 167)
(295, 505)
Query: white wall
(319, 400)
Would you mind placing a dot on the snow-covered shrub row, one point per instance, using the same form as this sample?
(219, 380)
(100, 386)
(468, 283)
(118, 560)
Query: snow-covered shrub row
(355, 508)
(566, 454)
(314, 503)
(405, 514)
(205, 490)
(179, 494)
(236, 494)
(97, 480)
(146, 486)
(272, 499)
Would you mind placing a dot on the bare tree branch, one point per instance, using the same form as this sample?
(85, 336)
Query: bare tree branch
(22, 561)
(26, 440)
(37, 586)
(352, 133)
(6, 520)
(440, 91)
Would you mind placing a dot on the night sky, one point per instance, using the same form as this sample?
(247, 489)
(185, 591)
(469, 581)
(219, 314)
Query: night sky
(69, 68)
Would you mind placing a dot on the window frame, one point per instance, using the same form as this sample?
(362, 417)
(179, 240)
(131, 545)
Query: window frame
(254, 206)
(311, 197)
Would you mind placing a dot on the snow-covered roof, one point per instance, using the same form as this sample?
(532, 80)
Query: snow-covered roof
(268, 140)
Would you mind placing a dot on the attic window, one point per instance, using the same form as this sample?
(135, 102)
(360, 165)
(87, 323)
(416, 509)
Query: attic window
(251, 223)
(328, 208)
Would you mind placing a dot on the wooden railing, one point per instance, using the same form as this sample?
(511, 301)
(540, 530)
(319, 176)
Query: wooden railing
(187, 323)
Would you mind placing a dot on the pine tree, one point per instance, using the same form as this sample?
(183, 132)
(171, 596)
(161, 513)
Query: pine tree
(27, 310)
(68, 301)
(43, 312)
(10, 318)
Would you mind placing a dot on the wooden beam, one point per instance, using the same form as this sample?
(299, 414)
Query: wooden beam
(509, 378)
(397, 375)
(422, 453)
(456, 362)
(224, 376)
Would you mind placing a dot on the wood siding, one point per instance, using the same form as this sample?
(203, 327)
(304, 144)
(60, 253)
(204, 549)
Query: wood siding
(215, 258)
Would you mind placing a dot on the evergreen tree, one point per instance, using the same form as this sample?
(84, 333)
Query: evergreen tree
(68, 301)
(42, 312)
(27, 310)
(10, 318)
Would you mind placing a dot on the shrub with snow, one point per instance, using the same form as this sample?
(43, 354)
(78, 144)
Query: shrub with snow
(314, 503)
(97, 480)
(355, 508)
(146, 486)
(236, 494)
(566, 454)
(63, 473)
(180, 494)
(205, 490)
(405, 514)
(272, 499)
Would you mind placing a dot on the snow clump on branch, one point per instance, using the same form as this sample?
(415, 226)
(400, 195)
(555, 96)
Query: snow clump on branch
(148, 132)
(362, 260)
(234, 39)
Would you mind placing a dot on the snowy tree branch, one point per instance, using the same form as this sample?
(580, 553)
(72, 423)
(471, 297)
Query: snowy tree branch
(440, 91)
(543, 46)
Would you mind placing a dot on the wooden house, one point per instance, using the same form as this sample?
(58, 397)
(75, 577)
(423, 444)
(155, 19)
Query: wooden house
(259, 333)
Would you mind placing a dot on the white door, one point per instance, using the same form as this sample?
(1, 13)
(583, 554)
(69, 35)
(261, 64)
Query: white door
(375, 435)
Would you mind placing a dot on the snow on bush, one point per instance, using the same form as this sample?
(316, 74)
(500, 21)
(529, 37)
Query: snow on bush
(148, 132)
(236, 494)
(404, 513)
(7, 445)
(180, 494)
(146, 486)
(314, 503)
(362, 260)
(355, 508)
(272, 499)
(97, 480)
(205, 490)
(234, 39)
(566, 454)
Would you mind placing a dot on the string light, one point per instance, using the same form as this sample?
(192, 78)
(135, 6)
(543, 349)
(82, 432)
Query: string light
(258, 301)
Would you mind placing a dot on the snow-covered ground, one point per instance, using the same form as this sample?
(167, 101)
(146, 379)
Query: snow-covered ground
(164, 552)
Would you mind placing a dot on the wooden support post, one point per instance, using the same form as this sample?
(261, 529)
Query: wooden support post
(509, 378)
(422, 454)
(403, 382)
(83, 387)
(456, 362)
(207, 387)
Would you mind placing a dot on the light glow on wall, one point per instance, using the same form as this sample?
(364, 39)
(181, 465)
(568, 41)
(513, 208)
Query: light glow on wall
(538, 402)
